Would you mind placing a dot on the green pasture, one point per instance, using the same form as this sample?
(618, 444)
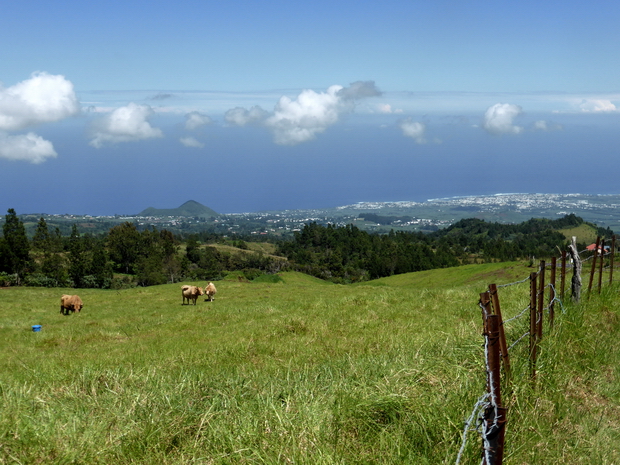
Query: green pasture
(296, 370)
(584, 233)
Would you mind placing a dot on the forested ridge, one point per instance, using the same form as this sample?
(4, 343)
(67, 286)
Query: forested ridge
(127, 256)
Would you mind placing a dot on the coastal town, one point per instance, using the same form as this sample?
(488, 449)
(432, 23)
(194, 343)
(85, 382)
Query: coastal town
(429, 215)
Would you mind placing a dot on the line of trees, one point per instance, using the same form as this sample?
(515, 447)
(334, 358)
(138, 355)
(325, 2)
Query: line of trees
(122, 257)
(348, 254)
(126, 256)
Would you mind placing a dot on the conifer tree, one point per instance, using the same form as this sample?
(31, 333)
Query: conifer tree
(99, 268)
(15, 248)
(125, 245)
(77, 265)
(42, 239)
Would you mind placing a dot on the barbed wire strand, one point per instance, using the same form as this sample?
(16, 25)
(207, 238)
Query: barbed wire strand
(474, 413)
(517, 316)
(493, 402)
(555, 299)
(527, 333)
(512, 284)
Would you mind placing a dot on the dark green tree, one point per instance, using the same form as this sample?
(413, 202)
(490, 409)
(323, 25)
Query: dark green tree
(42, 240)
(15, 249)
(192, 250)
(125, 246)
(78, 260)
(54, 267)
(171, 264)
(56, 240)
(100, 268)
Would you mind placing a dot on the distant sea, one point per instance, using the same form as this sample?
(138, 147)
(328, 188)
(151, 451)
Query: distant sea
(242, 170)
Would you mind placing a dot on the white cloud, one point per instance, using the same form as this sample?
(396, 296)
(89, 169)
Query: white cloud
(311, 113)
(414, 130)
(240, 116)
(498, 119)
(597, 106)
(41, 99)
(195, 120)
(191, 142)
(543, 125)
(125, 124)
(295, 121)
(386, 108)
(26, 147)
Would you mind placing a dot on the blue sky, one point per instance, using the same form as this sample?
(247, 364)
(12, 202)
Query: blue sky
(244, 106)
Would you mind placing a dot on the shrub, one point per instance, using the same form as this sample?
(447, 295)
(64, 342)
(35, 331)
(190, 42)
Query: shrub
(7, 279)
(41, 280)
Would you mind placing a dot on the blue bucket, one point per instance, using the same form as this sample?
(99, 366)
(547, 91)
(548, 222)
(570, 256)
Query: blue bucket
(36, 328)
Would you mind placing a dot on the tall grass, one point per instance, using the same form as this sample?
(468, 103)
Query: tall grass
(296, 371)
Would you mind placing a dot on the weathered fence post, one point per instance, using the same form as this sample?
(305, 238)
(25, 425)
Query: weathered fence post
(600, 268)
(533, 326)
(541, 300)
(552, 292)
(593, 269)
(502, 335)
(611, 259)
(576, 279)
(494, 421)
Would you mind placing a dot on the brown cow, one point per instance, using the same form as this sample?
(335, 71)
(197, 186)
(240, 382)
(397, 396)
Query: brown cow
(70, 303)
(190, 292)
(210, 291)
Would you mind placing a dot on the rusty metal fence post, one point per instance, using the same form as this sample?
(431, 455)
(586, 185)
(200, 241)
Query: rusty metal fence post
(505, 357)
(601, 252)
(552, 292)
(611, 259)
(541, 300)
(533, 326)
(563, 275)
(494, 417)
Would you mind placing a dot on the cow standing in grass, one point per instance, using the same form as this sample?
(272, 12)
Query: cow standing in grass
(70, 303)
(191, 292)
(210, 291)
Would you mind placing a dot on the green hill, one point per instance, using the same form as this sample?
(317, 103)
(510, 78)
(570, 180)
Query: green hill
(303, 371)
(190, 208)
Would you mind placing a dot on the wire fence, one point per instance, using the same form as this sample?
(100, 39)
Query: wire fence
(488, 410)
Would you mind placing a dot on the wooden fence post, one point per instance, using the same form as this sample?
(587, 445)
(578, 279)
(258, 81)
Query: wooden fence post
(576, 279)
(593, 269)
(502, 335)
(533, 326)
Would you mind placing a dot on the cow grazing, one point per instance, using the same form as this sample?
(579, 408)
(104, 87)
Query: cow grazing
(210, 291)
(191, 292)
(70, 303)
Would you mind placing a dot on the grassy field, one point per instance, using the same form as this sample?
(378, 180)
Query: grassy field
(584, 233)
(300, 371)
